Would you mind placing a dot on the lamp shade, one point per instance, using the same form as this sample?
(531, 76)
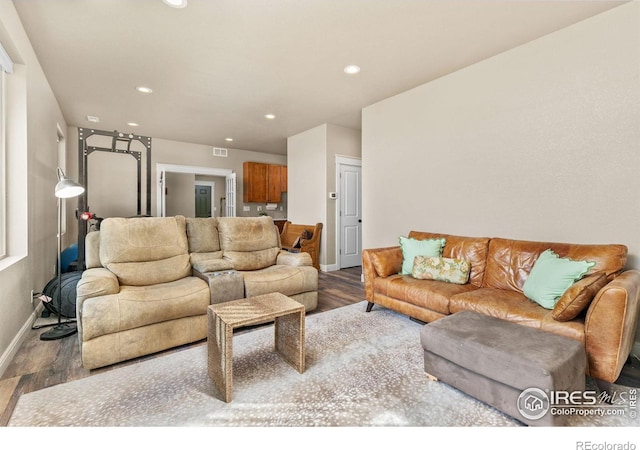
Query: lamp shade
(66, 187)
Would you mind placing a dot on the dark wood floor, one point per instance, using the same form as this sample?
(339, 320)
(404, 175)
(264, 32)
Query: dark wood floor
(40, 364)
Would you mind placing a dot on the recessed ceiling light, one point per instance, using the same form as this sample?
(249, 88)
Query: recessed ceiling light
(144, 89)
(176, 3)
(133, 124)
(352, 69)
(228, 139)
(270, 116)
(93, 119)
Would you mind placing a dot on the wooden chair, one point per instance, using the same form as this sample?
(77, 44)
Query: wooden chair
(292, 239)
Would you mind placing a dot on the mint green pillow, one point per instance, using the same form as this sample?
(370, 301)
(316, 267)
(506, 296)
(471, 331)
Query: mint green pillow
(551, 276)
(414, 247)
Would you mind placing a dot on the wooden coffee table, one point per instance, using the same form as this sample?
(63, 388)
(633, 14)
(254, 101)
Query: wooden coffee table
(288, 315)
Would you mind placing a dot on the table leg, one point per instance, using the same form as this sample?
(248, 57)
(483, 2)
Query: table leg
(289, 339)
(220, 355)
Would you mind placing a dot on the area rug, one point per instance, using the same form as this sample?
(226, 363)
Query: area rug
(363, 369)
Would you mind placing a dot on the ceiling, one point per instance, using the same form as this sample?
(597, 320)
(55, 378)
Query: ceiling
(217, 67)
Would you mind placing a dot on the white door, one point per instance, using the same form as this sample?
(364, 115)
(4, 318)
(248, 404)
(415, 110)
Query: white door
(162, 189)
(231, 195)
(350, 198)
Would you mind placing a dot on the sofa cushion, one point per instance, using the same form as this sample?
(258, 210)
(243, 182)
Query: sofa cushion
(202, 233)
(212, 265)
(152, 272)
(449, 270)
(472, 249)
(145, 250)
(515, 307)
(258, 259)
(250, 243)
(551, 276)
(288, 280)
(510, 261)
(197, 258)
(137, 306)
(247, 234)
(416, 247)
(433, 295)
(578, 297)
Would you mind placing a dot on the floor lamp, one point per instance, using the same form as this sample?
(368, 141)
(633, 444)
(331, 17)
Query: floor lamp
(66, 188)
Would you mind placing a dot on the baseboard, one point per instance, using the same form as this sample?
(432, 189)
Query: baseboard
(329, 267)
(17, 341)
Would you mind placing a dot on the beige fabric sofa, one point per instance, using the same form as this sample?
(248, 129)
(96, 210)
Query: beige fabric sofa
(149, 280)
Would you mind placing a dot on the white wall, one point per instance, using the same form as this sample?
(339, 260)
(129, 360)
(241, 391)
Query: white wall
(180, 198)
(341, 141)
(307, 172)
(34, 127)
(539, 143)
(312, 175)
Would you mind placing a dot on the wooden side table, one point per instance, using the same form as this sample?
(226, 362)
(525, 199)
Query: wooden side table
(288, 315)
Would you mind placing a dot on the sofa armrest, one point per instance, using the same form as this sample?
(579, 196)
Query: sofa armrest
(212, 265)
(286, 258)
(96, 283)
(379, 262)
(610, 326)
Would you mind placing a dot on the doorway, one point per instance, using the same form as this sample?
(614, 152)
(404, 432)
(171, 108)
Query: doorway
(349, 172)
(165, 172)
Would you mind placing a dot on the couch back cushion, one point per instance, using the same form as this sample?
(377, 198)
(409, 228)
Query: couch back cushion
(250, 243)
(202, 234)
(510, 261)
(144, 251)
(204, 242)
(471, 249)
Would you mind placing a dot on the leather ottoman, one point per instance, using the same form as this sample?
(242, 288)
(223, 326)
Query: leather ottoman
(511, 367)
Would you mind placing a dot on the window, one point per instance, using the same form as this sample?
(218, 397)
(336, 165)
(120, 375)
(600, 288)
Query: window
(6, 66)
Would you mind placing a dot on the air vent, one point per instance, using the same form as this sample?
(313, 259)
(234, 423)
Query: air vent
(217, 151)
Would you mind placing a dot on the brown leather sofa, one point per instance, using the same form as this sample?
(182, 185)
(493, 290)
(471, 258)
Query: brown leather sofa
(149, 280)
(499, 268)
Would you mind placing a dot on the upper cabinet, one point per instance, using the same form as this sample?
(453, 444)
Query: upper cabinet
(284, 180)
(263, 183)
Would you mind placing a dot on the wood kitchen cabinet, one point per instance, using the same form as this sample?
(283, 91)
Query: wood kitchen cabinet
(274, 183)
(262, 183)
(284, 180)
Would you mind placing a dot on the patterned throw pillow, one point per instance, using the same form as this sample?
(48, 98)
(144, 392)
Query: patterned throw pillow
(450, 270)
